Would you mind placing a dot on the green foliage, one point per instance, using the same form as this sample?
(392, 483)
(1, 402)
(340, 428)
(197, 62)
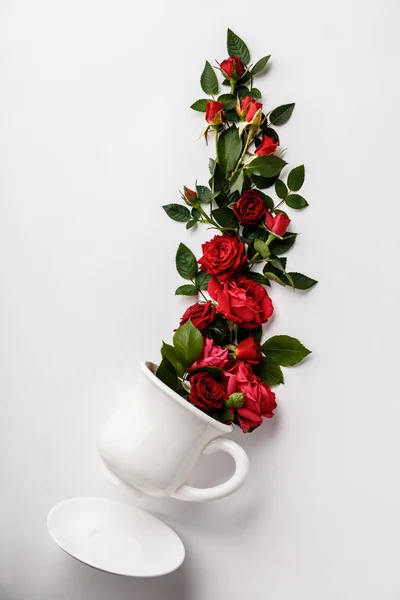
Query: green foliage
(285, 350)
(281, 114)
(177, 212)
(270, 372)
(261, 247)
(281, 189)
(202, 280)
(229, 148)
(268, 201)
(264, 182)
(254, 93)
(186, 263)
(169, 352)
(296, 178)
(260, 65)
(237, 181)
(225, 217)
(188, 343)
(186, 290)
(257, 277)
(191, 223)
(266, 166)
(229, 101)
(231, 116)
(204, 194)
(302, 282)
(200, 105)
(280, 246)
(167, 374)
(222, 188)
(236, 47)
(296, 201)
(208, 80)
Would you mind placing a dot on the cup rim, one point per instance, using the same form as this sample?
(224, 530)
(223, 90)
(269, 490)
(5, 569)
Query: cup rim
(148, 368)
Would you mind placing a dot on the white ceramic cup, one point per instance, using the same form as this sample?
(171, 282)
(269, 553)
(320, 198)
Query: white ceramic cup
(153, 441)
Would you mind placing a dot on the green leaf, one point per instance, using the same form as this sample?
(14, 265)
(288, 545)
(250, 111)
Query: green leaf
(231, 116)
(302, 282)
(177, 212)
(281, 114)
(254, 93)
(225, 217)
(261, 247)
(200, 105)
(296, 201)
(251, 232)
(237, 181)
(267, 130)
(242, 91)
(186, 263)
(191, 223)
(211, 165)
(257, 277)
(266, 166)
(169, 352)
(285, 350)
(214, 371)
(229, 148)
(236, 47)
(284, 245)
(186, 290)
(268, 201)
(264, 182)
(274, 274)
(281, 189)
(270, 372)
(202, 280)
(277, 263)
(208, 80)
(229, 101)
(196, 214)
(188, 343)
(167, 374)
(260, 65)
(222, 188)
(204, 194)
(296, 178)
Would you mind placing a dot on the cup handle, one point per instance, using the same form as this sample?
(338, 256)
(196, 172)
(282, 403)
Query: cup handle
(187, 492)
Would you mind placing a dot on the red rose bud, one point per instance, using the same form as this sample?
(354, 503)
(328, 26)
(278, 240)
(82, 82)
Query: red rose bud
(251, 109)
(202, 314)
(250, 209)
(249, 350)
(232, 67)
(189, 194)
(214, 114)
(205, 392)
(278, 224)
(235, 400)
(267, 146)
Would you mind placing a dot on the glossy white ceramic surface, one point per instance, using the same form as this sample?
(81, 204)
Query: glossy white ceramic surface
(115, 537)
(153, 441)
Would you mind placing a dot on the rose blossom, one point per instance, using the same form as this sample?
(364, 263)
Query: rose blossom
(202, 314)
(249, 350)
(205, 392)
(259, 400)
(190, 195)
(241, 300)
(211, 356)
(222, 256)
(278, 224)
(267, 146)
(214, 114)
(248, 108)
(232, 66)
(250, 208)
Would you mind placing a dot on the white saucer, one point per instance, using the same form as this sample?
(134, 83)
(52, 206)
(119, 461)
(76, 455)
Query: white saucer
(115, 537)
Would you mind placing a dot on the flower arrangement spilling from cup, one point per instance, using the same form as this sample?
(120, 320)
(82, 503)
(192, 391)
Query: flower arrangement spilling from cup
(218, 360)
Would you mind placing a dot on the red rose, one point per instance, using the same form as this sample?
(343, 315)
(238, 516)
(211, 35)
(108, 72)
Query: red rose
(241, 300)
(190, 195)
(205, 392)
(259, 400)
(278, 224)
(249, 350)
(248, 108)
(222, 256)
(267, 146)
(214, 114)
(250, 208)
(202, 314)
(232, 66)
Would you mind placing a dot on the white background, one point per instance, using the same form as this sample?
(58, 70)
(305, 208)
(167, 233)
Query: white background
(95, 135)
